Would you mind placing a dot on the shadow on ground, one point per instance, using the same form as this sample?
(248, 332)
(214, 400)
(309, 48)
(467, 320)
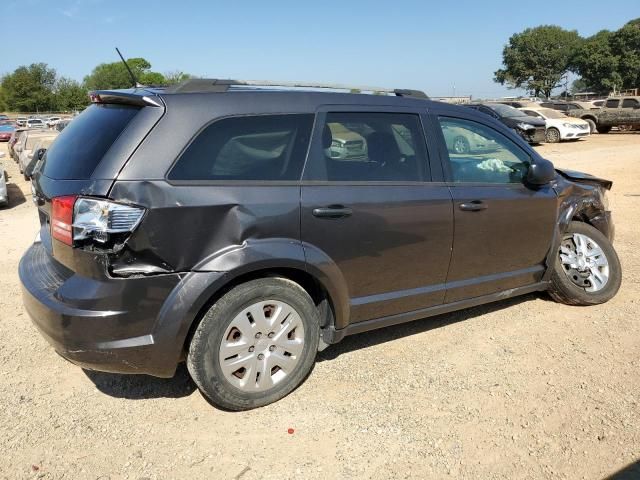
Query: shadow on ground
(143, 387)
(388, 334)
(630, 472)
(16, 197)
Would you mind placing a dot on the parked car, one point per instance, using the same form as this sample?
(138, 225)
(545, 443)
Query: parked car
(4, 117)
(530, 129)
(21, 121)
(39, 149)
(210, 222)
(5, 132)
(4, 192)
(559, 126)
(62, 124)
(35, 123)
(464, 140)
(622, 112)
(27, 142)
(13, 139)
(52, 121)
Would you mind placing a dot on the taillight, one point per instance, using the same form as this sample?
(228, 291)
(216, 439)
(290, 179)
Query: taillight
(62, 218)
(90, 219)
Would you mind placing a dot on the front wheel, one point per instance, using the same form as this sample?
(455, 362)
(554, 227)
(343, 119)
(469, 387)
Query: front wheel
(552, 135)
(587, 269)
(256, 344)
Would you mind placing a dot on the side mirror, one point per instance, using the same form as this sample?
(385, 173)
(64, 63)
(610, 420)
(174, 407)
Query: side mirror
(541, 172)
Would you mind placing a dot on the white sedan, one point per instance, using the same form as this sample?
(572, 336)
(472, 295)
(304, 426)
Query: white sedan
(558, 125)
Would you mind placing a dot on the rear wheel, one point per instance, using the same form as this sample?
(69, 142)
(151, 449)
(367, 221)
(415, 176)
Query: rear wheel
(552, 135)
(592, 125)
(256, 344)
(587, 269)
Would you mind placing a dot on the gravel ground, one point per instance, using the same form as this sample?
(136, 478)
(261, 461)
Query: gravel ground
(524, 388)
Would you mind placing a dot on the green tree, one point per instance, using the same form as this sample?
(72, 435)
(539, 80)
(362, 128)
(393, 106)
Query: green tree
(3, 102)
(176, 76)
(29, 89)
(625, 45)
(537, 59)
(610, 60)
(70, 95)
(596, 63)
(115, 75)
(578, 85)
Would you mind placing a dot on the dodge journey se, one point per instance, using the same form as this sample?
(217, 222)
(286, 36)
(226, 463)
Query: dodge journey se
(242, 228)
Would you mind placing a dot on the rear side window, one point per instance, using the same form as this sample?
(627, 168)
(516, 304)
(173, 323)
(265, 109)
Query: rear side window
(612, 103)
(262, 147)
(80, 147)
(630, 103)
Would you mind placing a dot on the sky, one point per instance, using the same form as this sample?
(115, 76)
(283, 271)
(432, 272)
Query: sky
(442, 47)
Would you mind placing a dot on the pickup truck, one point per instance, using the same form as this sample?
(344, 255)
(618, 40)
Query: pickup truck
(622, 112)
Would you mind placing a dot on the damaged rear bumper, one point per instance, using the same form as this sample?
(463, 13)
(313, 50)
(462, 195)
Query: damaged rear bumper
(107, 324)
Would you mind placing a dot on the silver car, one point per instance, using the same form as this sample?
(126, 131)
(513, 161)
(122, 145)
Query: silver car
(4, 193)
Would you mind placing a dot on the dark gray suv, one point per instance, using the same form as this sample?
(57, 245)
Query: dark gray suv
(244, 228)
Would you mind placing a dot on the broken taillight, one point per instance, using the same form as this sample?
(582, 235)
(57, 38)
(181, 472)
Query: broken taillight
(62, 218)
(90, 219)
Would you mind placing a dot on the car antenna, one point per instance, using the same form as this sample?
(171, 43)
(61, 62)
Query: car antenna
(133, 77)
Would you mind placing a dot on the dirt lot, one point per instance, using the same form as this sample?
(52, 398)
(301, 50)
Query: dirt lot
(524, 388)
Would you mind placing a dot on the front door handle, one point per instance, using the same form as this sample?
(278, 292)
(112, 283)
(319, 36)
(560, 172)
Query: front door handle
(332, 211)
(473, 206)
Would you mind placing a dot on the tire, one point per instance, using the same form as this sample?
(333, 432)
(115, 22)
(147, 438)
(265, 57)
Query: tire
(592, 125)
(603, 129)
(217, 335)
(552, 135)
(461, 145)
(564, 290)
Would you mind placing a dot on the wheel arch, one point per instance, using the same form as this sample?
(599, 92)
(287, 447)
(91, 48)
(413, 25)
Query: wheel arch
(214, 277)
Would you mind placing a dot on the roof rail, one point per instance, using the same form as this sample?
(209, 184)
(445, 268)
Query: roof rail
(222, 85)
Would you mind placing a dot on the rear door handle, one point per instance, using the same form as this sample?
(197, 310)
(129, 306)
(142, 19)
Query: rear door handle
(473, 206)
(332, 211)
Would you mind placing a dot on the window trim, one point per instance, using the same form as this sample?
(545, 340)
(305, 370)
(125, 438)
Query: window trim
(316, 144)
(444, 153)
(217, 182)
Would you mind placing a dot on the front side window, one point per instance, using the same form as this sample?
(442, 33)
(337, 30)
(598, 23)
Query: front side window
(612, 103)
(261, 147)
(630, 103)
(368, 146)
(478, 153)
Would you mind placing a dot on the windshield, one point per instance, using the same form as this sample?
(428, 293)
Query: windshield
(505, 110)
(550, 113)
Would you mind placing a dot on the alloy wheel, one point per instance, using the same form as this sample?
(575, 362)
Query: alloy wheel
(584, 262)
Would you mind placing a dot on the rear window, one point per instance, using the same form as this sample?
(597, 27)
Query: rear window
(264, 147)
(80, 147)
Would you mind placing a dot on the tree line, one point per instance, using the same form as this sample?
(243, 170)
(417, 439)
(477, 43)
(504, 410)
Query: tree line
(539, 59)
(39, 88)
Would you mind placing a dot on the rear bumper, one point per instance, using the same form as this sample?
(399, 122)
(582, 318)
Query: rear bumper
(132, 325)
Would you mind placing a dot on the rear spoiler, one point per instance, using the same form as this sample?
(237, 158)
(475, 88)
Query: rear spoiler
(124, 97)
